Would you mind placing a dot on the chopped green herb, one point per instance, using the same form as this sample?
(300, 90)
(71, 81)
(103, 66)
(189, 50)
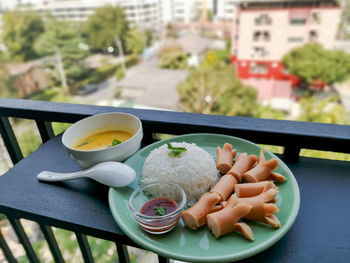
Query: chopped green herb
(84, 143)
(116, 142)
(160, 211)
(175, 151)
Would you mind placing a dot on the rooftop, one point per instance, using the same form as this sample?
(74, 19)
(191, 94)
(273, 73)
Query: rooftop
(18, 68)
(285, 3)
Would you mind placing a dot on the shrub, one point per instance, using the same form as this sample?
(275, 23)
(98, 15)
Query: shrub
(174, 60)
(119, 74)
(47, 94)
(2, 217)
(100, 74)
(132, 60)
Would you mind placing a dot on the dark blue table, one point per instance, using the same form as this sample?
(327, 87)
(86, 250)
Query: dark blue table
(321, 232)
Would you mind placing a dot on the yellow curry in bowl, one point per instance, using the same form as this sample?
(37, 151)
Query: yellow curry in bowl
(102, 140)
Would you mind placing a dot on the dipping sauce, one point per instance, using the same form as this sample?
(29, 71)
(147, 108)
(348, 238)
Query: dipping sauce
(103, 140)
(158, 207)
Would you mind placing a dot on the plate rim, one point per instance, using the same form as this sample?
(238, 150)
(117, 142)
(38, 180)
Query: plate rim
(228, 257)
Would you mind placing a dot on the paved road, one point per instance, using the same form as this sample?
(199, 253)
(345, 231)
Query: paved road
(151, 86)
(145, 84)
(106, 90)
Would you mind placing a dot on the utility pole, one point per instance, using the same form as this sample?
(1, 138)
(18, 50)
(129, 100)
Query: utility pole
(61, 71)
(120, 52)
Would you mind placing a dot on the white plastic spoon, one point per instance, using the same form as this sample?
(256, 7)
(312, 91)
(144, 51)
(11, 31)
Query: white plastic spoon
(113, 174)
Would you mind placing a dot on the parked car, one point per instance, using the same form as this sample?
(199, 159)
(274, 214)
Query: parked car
(87, 89)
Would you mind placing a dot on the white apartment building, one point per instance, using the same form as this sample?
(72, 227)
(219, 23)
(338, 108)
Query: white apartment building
(224, 10)
(182, 11)
(151, 14)
(185, 11)
(145, 14)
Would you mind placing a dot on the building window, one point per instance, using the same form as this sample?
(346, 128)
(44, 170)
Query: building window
(258, 68)
(256, 36)
(295, 39)
(266, 36)
(259, 52)
(313, 36)
(316, 18)
(298, 21)
(263, 19)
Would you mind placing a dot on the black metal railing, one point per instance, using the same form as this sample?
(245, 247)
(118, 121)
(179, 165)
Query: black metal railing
(292, 135)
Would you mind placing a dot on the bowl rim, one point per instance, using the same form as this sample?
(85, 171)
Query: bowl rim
(137, 133)
(142, 187)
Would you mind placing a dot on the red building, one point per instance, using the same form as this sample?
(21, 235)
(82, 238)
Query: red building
(266, 30)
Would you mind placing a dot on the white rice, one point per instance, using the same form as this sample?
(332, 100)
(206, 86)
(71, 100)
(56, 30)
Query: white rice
(194, 170)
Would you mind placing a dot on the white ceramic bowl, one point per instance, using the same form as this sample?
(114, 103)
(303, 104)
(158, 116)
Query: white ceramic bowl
(99, 123)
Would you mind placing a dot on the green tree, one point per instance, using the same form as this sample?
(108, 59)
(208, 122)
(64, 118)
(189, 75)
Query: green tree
(6, 89)
(345, 22)
(20, 30)
(215, 57)
(134, 42)
(103, 26)
(313, 62)
(217, 90)
(171, 56)
(64, 37)
(266, 112)
(149, 35)
(327, 110)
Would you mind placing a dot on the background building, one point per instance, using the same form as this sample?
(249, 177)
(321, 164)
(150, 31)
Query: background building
(27, 78)
(186, 11)
(224, 10)
(266, 30)
(145, 14)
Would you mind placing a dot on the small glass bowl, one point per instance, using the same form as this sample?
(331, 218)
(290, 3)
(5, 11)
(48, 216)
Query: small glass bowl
(149, 191)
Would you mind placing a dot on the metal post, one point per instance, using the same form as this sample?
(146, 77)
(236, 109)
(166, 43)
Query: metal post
(45, 130)
(5, 248)
(123, 255)
(120, 52)
(23, 238)
(163, 259)
(61, 71)
(85, 248)
(51, 241)
(10, 140)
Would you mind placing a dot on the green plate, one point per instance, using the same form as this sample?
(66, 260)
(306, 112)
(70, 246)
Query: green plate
(184, 244)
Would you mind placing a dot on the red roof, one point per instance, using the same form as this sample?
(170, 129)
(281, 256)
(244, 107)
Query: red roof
(19, 68)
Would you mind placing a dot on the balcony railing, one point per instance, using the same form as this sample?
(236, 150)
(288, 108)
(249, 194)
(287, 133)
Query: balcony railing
(293, 136)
